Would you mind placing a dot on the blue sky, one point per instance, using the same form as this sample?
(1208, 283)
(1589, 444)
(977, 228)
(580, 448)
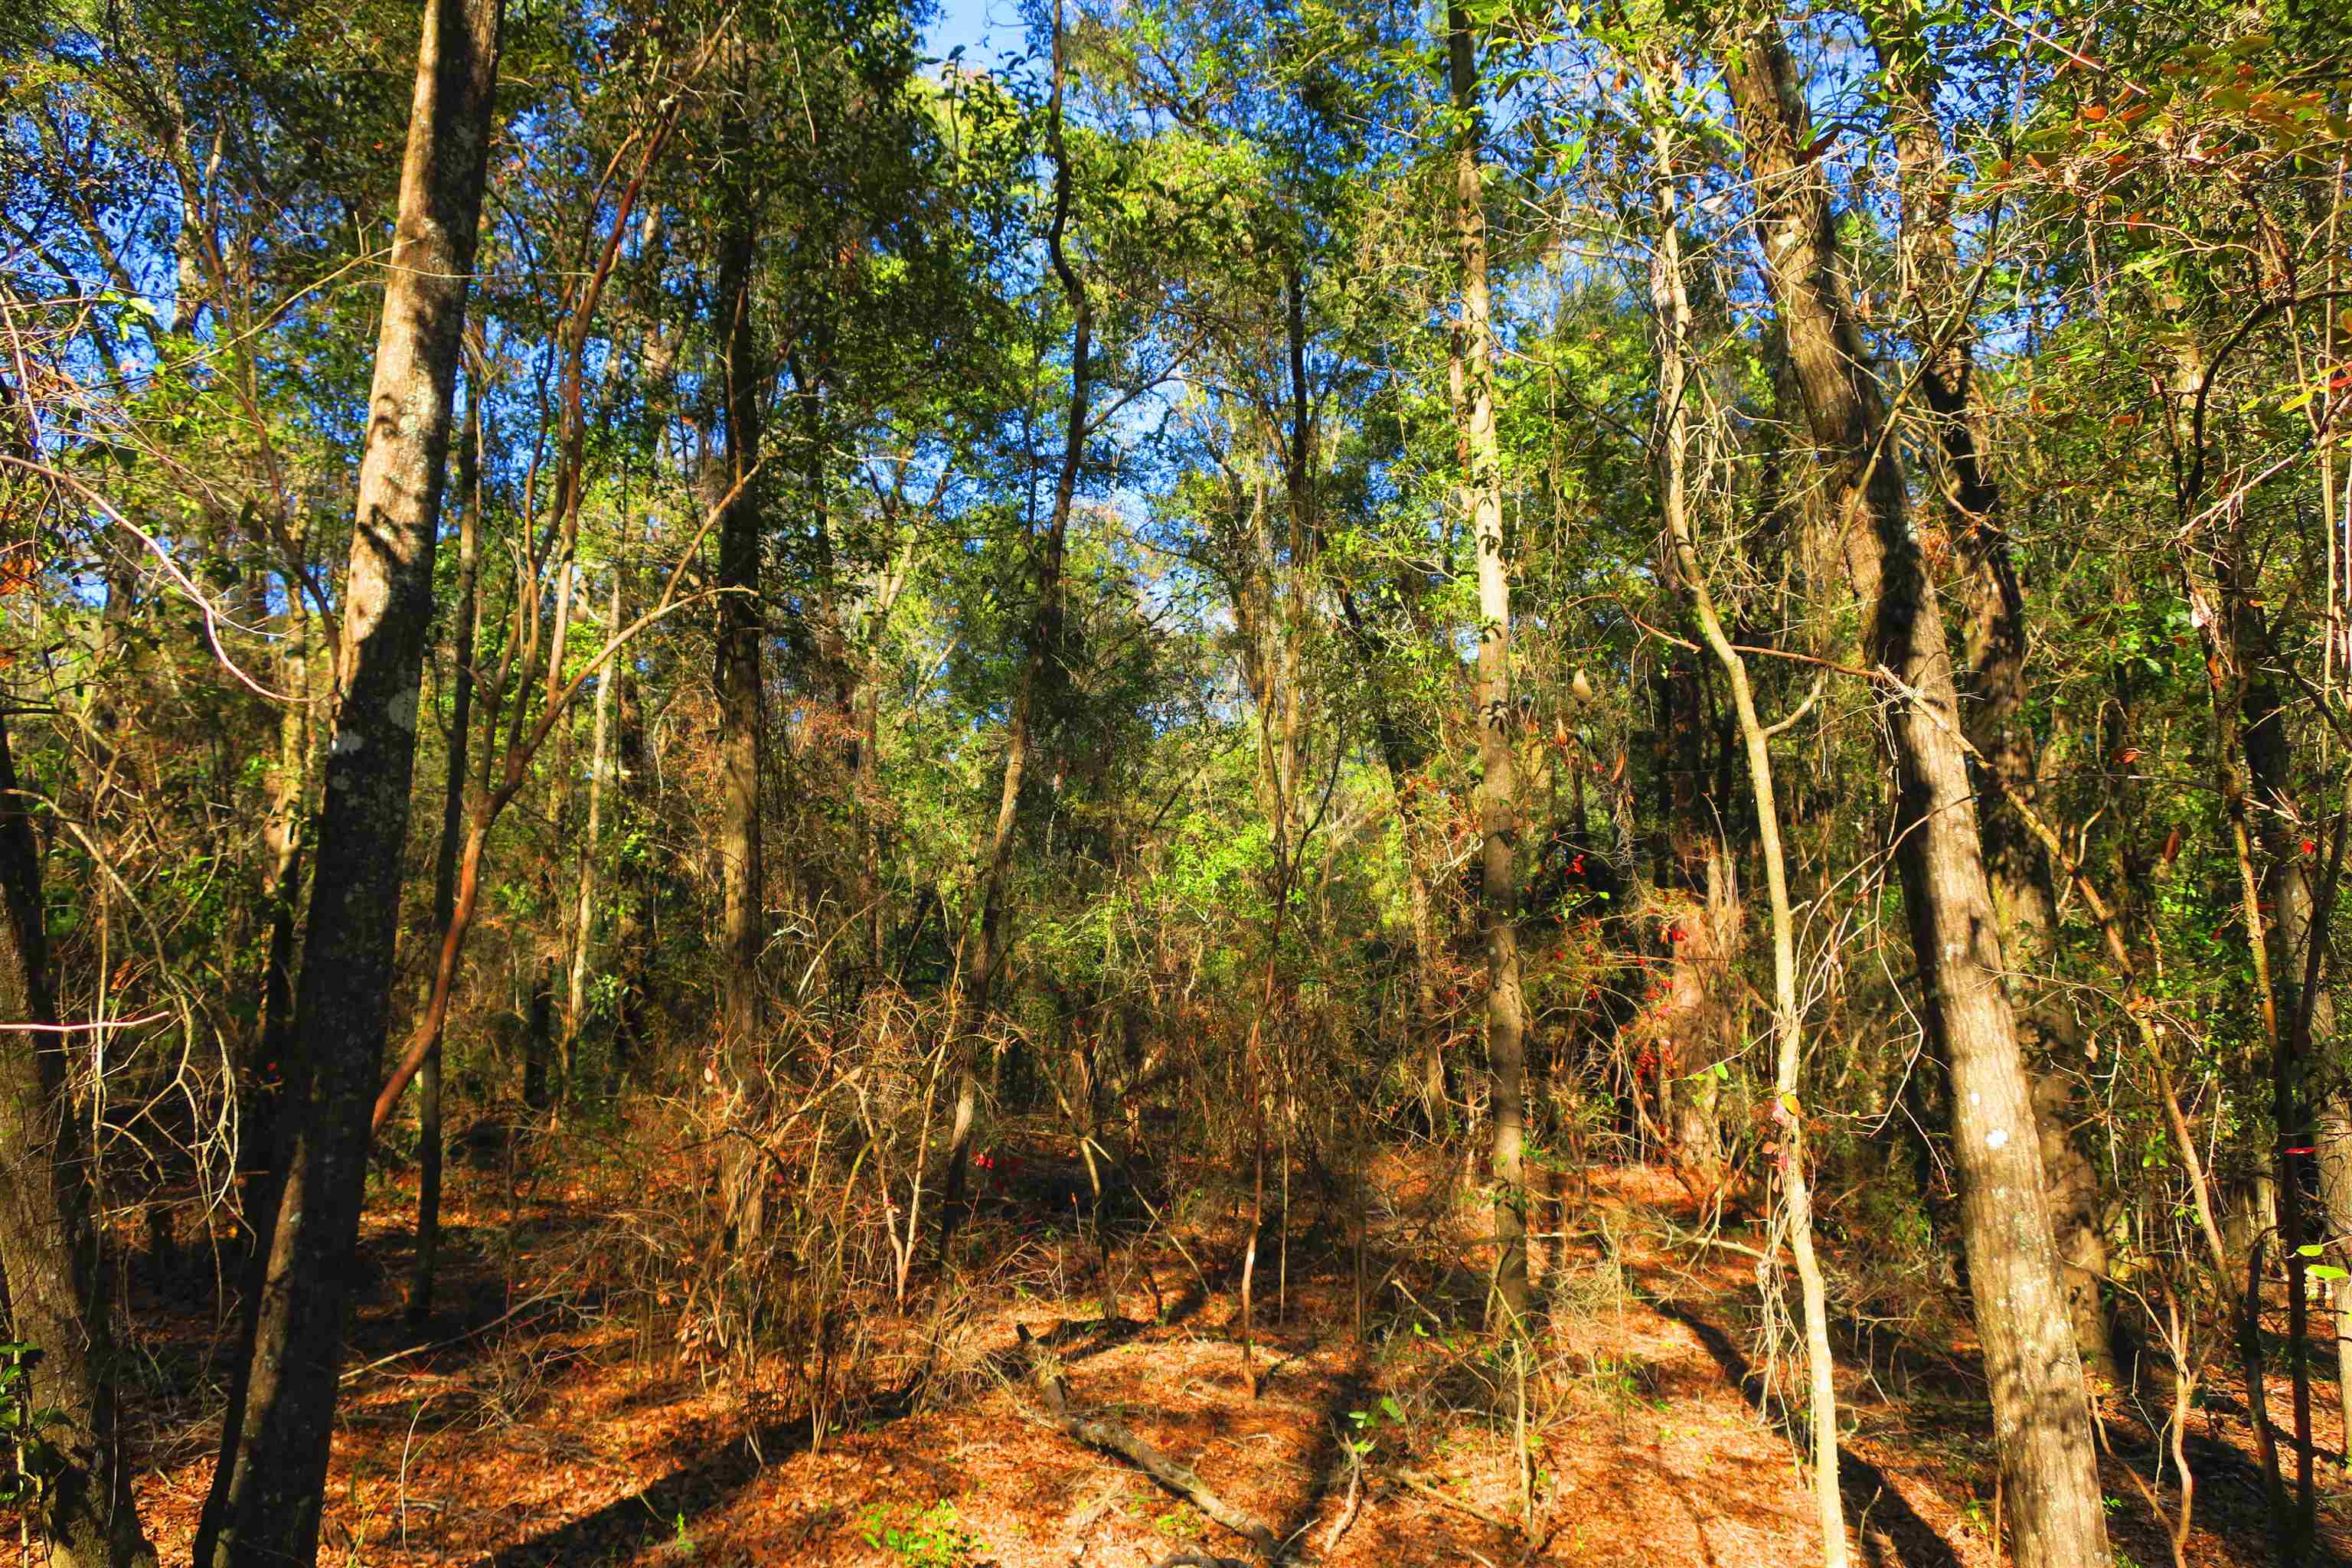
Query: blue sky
(984, 27)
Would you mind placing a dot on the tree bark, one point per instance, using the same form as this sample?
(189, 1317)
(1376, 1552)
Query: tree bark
(1994, 681)
(281, 834)
(2296, 923)
(538, 1034)
(57, 1299)
(583, 931)
(633, 937)
(1482, 502)
(466, 631)
(268, 1490)
(2040, 1417)
(743, 714)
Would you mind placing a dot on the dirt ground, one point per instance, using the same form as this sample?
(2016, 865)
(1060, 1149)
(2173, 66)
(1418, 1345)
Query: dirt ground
(540, 1427)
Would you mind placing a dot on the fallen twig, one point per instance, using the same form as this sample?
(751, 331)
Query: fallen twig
(1347, 1510)
(1437, 1493)
(1114, 1438)
(356, 1373)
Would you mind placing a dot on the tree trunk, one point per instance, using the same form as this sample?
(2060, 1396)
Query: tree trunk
(1670, 299)
(2297, 918)
(988, 946)
(633, 937)
(742, 718)
(1482, 502)
(57, 1298)
(2041, 1419)
(268, 1487)
(1994, 635)
(466, 631)
(742, 706)
(583, 928)
(538, 1034)
(281, 885)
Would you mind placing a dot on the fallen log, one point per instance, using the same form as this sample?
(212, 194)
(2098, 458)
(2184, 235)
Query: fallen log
(1110, 1437)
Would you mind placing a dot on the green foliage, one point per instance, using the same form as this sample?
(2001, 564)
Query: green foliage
(28, 1455)
(935, 1537)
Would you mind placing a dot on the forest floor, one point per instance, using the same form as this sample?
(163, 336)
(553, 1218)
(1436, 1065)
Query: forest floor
(543, 1424)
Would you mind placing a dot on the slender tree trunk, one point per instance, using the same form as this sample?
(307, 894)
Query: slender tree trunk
(743, 705)
(281, 885)
(465, 629)
(268, 1487)
(506, 770)
(632, 936)
(2262, 740)
(538, 1034)
(743, 711)
(986, 956)
(2040, 1417)
(1670, 300)
(583, 928)
(1482, 500)
(2247, 743)
(57, 1299)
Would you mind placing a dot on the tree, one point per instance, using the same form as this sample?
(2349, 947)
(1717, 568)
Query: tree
(2041, 1419)
(268, 1487)
(1042, 651)
(1498, 807)
(58, 1298)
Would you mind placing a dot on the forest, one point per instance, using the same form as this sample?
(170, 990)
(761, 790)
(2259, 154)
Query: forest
(1029, 783)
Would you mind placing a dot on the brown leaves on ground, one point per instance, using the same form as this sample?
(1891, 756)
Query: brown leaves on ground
(566, 1435)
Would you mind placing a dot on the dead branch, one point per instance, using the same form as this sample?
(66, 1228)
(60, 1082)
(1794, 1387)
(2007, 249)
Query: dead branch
(1110, 1437)
(1347, 1510)
(1439, 1494)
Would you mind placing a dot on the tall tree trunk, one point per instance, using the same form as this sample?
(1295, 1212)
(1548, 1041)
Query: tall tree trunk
(281, 885)
(268, 1487)
(1670, 300)
(583, 927)
(1482, 502)
(538, 1034)
(2297, 921)
(743, 372)
(57, 1299)
(988, 944)
(2041, 1419)
(1994, 682)
(466, 630)
(633, 937)
(742, 712)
